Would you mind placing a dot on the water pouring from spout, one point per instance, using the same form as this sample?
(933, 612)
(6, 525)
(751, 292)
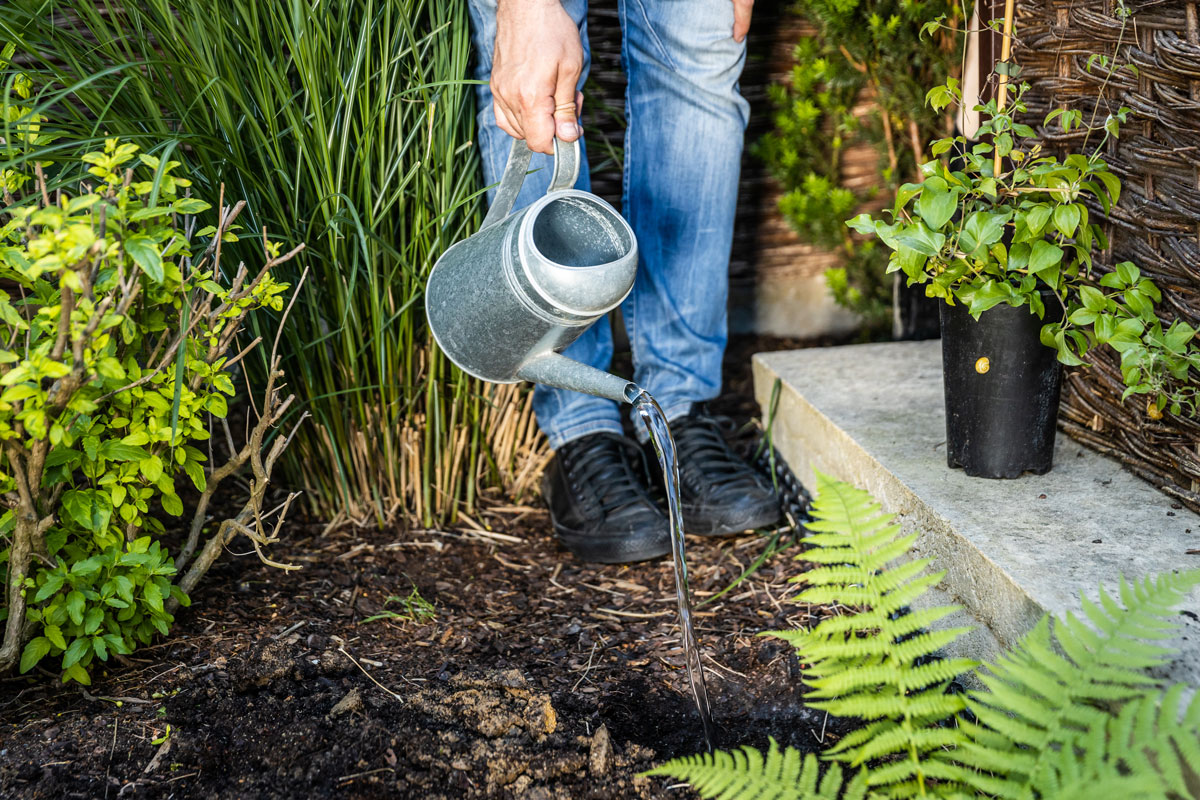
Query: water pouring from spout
(664, 447)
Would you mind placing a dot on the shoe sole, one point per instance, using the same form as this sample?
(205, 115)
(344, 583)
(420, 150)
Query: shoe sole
(720, 527)
(625, 551)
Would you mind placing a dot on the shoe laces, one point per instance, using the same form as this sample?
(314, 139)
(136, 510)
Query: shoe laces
(704, 453)
(602, 466)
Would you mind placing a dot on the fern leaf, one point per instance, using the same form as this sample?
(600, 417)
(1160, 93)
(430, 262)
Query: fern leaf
(1039, 717)
(746, 774)
(876, 664)
(1152, 737)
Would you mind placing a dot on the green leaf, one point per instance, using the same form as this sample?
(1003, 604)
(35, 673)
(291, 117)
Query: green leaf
(110, 368)
(1112, 183)
(1044, 255)
(75, 604)
(76, 651)
(52, 585)
(124, 588)
(1066, 219)
(982, 230)
(1128, 272)
(153, 596)
(119, 451)
(863, 223)
(189, 205)
(215, 404)
(90, 508)
(172, 504)
(1093, 299)
(152, 468)
(223, 382)
(89, 566)
(1037, 217)
(917, 237)
(54, 634)
(936, 204)
(143, 250)
(196, 472)
(37, 648)
(76, 673)
(137, 439)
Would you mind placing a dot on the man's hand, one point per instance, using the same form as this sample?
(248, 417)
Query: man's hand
(535, 69)
(742, 9)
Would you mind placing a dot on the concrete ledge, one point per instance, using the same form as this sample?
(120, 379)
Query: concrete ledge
(873, 415)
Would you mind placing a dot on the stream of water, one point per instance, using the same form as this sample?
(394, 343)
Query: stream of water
(664, 447)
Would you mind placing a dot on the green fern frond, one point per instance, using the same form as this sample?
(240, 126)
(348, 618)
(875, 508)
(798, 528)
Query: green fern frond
(746, 775)
(875, 664)
(1154, 736)
(1045, 700)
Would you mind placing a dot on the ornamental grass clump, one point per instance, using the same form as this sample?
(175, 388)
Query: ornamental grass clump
(119, 334)
(349, 125)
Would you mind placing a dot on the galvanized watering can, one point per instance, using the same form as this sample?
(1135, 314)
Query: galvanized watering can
(503, 303)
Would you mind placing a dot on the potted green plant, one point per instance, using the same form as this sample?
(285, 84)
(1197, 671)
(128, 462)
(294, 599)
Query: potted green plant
(1001, 232)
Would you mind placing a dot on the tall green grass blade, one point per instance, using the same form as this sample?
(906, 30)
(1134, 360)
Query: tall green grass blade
(349, 125)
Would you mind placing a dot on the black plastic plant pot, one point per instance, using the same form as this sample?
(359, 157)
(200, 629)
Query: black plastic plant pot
(1002, 388)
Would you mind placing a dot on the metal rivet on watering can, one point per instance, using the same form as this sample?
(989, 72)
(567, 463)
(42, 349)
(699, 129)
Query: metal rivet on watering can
(983, 365)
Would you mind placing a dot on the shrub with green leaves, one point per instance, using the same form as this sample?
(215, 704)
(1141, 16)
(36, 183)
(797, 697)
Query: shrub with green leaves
(115, 342)
(1071, 709)
(858, 80)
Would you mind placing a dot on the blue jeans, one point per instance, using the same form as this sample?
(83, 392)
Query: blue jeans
(683, 151)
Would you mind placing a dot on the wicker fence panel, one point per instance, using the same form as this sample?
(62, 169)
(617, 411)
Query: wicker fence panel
(1157, 225)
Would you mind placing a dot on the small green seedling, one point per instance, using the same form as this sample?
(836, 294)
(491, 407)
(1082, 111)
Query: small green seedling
(414, 608)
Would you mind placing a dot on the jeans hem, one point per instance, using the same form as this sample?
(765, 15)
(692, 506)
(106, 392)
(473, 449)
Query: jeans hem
(580, 429)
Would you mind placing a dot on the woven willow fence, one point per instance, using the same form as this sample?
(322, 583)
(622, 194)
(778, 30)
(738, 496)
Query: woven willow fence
(1157, 225)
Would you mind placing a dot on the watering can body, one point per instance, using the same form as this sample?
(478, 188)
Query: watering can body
(503, 303)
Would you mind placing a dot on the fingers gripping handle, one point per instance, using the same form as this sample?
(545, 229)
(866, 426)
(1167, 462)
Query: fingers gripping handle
(566, 165)
(566, 172)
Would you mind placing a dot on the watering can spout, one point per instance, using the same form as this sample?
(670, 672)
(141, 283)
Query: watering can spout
(561, 372)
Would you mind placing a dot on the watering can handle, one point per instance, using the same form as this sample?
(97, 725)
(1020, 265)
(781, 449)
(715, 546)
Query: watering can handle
(566, 172)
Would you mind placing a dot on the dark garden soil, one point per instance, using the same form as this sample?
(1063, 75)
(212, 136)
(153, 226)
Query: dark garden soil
(537, 676)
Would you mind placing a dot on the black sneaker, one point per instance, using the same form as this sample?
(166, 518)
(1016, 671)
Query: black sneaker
(721, 493)
(602, 511)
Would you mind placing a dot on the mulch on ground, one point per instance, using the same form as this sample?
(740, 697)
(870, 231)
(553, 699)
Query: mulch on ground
(536, 677)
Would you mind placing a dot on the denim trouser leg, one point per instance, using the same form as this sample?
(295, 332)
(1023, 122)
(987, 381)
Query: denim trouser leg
(683, 153)
(682, 159)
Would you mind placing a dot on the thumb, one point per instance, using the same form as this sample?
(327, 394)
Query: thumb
(566, 124)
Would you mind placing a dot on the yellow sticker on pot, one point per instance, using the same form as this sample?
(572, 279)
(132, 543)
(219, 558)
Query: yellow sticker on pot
(983, 365)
